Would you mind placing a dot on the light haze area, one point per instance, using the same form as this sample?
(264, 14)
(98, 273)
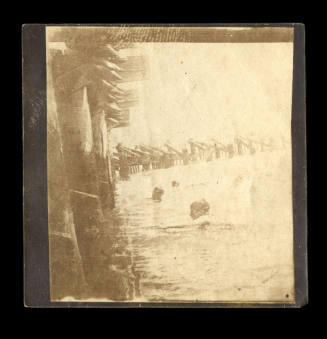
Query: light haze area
(204, 91)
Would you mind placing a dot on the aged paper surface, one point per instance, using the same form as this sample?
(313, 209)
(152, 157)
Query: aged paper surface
(170, 165)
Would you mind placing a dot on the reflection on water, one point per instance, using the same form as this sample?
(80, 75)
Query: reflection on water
(175, 259)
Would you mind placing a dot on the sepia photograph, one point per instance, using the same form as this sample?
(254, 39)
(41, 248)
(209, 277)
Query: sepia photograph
(169, 164)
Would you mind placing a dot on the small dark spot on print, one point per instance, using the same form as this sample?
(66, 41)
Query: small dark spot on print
(239, 289)
(286, 295)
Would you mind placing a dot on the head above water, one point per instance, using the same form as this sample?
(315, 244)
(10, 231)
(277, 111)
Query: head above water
(199, 208)
(157, 193)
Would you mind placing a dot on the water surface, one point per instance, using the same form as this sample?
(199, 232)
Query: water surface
(239, 256)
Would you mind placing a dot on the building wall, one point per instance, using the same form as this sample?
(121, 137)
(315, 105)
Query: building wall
(81, 266)
(66, 271)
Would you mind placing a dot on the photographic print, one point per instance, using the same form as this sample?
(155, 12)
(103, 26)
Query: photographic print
(169, 164)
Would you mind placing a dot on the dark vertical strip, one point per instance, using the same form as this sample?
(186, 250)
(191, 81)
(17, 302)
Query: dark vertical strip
(36, 248)
(299, 167)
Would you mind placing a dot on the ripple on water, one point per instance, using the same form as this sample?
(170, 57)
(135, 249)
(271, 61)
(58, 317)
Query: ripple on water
(174, 258)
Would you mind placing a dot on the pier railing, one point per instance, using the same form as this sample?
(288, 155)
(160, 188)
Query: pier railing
(142, 158)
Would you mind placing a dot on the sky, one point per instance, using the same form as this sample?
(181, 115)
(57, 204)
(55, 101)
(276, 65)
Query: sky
(211, 90)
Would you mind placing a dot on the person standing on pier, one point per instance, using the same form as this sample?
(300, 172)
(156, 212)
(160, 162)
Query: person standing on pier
(185, 156)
